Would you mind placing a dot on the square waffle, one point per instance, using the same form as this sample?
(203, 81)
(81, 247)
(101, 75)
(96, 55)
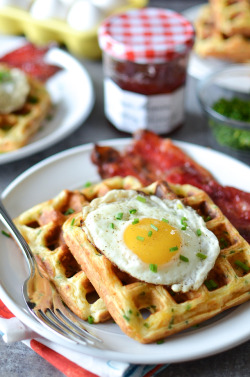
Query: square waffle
(16, 128)
(232, 16)
(41, 226)
(167, 312)
(212, 42)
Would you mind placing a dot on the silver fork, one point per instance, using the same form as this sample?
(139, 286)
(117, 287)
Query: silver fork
(50, 311)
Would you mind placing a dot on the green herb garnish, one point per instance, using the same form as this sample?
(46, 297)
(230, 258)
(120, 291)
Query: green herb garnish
(69, 211)
(183, 258)
(5, 233)
(119, 216)
(174, 248)
(141, 199)
(135, 221)
(90, 319)
(242, 265)
(165, 220)
(139, 238)
(154, 227)
(201, 256)
(153, 267)
(198, 232)
(132, 211)
(226, 134)
(210, 284)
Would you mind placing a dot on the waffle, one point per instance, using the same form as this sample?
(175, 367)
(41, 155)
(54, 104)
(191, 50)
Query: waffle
(16, 128)
(211, 42)
(41, 226)
(232, 16)
(147, 312)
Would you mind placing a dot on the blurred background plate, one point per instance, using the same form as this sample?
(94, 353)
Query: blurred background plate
(72, 95)
(201, 67)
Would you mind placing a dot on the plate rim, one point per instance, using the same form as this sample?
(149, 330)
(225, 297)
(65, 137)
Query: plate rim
(118, 356)
(55, 136)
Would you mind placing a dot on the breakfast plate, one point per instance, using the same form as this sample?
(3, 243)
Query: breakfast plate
(199, 67)
(71, 169)
(72, 96)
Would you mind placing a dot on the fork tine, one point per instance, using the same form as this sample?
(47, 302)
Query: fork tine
(69, 318)
(49, 323)
(77, 327)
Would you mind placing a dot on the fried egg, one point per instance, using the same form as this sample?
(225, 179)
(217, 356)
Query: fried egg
(159, 241)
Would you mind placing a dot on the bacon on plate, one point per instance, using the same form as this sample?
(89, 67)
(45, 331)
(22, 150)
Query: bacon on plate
(31, 59)
(150, 157)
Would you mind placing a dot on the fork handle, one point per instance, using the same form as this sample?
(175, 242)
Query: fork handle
(7, 221)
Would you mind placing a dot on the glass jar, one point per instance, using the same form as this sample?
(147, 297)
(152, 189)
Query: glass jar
(145, 56)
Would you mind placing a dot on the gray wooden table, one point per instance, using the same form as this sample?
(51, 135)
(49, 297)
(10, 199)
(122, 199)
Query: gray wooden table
(16, 360)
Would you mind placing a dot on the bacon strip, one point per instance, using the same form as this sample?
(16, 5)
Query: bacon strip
(30, 59)
(150, 158)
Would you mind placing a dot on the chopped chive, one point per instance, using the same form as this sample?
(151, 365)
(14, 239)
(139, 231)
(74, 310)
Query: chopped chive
(5, 234)
(184, 227)
(183, 258)
(112, 225)
(242, 265)
(141, 199)
(232, 252)
(150, 233)
(87, 184)
(201, 256)
(153, 267)
(210, 284)
(33, 99)
(69, 211)
(154, 227)
(198, 232)
(171, 249)
(223, 243)
(73, 221)
(165, 220)
(135, 221)
(146, 325)
(119, 216)
(208, 218)
(132, 211)
(183, 220)
(126, 317)
(90, 319)
(161, 341)
(139, 238)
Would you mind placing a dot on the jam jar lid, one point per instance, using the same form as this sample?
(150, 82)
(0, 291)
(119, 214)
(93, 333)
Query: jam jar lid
(146, 35)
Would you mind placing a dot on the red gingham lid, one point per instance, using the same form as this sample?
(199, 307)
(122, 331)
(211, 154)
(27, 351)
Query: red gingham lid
(146, 35)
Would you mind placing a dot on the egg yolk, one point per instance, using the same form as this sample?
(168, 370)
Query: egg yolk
(153, 241)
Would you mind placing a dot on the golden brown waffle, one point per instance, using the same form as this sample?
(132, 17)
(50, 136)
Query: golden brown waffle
(41, 226)
(17, 127)
(211, 42)
(232, 16)
(227, 284)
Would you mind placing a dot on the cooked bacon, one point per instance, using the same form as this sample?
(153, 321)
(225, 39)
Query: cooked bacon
(150, 157)
(30, 59)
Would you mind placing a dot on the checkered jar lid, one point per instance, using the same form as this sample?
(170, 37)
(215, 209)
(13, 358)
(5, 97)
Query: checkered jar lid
(146, 35)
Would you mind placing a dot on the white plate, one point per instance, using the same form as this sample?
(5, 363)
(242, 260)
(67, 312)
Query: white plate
(72, 93)
(71, 169)
(201, 67)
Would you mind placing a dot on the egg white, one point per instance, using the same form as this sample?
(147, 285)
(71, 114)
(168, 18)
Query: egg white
(180, 275)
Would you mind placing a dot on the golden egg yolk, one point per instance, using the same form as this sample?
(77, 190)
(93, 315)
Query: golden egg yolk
(153, 241)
